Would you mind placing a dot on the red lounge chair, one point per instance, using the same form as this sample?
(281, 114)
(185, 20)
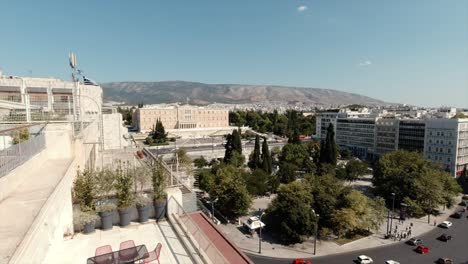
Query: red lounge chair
(154, 255)
(104, 255)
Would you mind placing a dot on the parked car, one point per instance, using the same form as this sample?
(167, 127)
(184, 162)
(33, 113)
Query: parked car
(422, 249)
(301, 261)
(414, 241)
(446, 224)
(457, 215)
(363, 259)
(445, 238)
(445, 261)
(392, 262)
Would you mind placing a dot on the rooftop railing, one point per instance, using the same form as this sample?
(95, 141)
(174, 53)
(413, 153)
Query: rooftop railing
(17, 150)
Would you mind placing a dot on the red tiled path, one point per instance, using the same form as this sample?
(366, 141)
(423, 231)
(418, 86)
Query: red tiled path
(226, 247)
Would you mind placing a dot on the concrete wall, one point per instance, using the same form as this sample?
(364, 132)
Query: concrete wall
(114, 131)
(58, 145)
(56, 216)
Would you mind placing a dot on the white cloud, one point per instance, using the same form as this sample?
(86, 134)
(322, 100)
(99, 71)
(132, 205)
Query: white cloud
(301, 8)
(365, 63)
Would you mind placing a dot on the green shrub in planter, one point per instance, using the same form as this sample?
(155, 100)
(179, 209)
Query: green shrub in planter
(106, 212)
(85, 220)
(123, 187)
(143, 205)
(84, 189)
(159, 191)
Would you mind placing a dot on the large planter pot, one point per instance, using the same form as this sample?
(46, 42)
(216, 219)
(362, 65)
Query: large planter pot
(89, 228)
(160, 209)
(106, 220)
(125, 216)
(143, 213)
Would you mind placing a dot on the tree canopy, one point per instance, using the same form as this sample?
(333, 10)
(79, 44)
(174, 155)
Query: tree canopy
(290, 216)
(419, 183)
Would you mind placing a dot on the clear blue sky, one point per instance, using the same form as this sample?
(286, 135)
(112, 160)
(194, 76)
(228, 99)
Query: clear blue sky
(408, 51)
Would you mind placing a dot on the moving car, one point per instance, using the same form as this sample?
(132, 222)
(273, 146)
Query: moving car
(414, 241)
(445, 238)
(301, 261)
(457, 215)
(392, 262)
(363, 259)
(422, 249)
(445, 261)
(446, 224)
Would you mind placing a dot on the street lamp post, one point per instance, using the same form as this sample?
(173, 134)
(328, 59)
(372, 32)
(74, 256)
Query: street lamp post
(212, 209)
(393, 209)
(316, 233)
(260, 235)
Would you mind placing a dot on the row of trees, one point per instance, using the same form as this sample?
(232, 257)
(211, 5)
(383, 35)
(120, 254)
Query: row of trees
(279, 124)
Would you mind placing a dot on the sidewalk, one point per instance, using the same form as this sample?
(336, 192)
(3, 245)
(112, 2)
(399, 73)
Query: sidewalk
(250, 244)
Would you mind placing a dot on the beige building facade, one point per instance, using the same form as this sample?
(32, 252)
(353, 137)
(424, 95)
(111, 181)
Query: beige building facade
(180, 117)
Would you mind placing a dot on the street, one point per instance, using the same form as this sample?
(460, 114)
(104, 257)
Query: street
(456, 249)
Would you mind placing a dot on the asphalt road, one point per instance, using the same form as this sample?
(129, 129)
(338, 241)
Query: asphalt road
(166, 150)
(456, 249)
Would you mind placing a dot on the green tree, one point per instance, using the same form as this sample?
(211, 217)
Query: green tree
(344, 221)
(84, 189)
(206, 180)
(229, 149)
(329, 150)
(354, 169)
(289, 216)
(231, 191)
(200, 162)
(267, 162)
(255, 161)
(327, 191)
(158, 134)
(417, 182)
(236, 141)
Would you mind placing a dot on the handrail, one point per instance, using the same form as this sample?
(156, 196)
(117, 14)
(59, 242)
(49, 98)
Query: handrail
(213, 253)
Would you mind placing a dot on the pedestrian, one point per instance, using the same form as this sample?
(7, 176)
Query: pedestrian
(406, 229)
(411, 224)
(435, 223)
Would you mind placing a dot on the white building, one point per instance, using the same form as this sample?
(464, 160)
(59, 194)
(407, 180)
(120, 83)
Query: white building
(446, 142)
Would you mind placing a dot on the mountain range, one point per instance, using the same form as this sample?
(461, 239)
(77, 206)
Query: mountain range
(201, 94)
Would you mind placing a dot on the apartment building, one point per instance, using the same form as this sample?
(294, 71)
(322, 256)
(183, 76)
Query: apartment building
(446, 142)
(411, 134)
(323, 120)
(183, 117)
(386, 135)
(357, 134)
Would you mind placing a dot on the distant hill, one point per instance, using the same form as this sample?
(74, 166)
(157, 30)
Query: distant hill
(201, 93)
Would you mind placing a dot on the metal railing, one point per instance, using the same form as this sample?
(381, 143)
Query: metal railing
(15, 155)
(202, 243)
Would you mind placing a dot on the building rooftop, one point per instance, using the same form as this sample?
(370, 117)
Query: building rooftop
(78, 248)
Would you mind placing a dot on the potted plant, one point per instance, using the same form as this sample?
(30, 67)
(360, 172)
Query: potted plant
(143, 205)
(106, 212)
(84, 189)
(86, 221)
(159, 194)
(123, 186)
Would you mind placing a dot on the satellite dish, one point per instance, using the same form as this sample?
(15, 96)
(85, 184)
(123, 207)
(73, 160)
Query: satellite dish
(72, 60)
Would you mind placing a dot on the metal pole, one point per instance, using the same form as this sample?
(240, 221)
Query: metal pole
(393, 208)
(316, 233)
(260, 235)
(260, 239)
(388, 220)
(212, 211)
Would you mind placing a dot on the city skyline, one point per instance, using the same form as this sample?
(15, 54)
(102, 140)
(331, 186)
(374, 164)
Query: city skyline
(412, 53)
